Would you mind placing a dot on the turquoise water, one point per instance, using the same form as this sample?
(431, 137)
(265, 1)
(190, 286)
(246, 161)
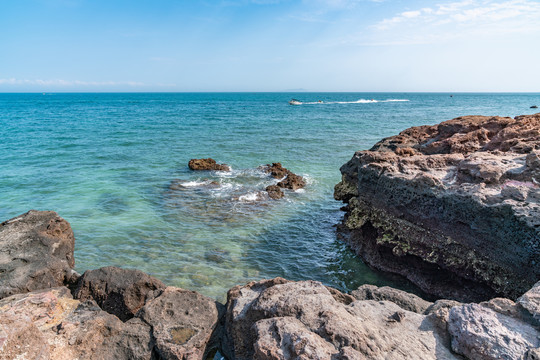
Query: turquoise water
(115, 166)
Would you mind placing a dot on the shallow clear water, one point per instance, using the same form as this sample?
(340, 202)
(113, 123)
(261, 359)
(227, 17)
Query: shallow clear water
(115, 166)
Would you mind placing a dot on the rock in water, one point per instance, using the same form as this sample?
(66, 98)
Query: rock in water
(36, 252)
(274, 192)
(453, 207)
(207, 164)
(289, 179)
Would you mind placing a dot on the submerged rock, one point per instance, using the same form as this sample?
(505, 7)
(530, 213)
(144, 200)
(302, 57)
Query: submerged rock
(453, 207)
(207, 164)
(36, 252)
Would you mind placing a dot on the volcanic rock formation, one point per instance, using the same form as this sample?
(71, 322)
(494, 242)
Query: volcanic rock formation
(453, 207)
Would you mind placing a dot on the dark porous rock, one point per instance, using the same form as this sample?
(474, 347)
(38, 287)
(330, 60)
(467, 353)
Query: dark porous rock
(293, 182)
(207, 164)
(279, 319)
(289, 179)
(276, 170)
(274, 192)
(401, 298)
(50, 324)
(479, 332)
(185, 324)
(453, 207)
(121, 292)
(36, 252)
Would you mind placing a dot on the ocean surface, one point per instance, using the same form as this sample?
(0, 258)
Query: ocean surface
(115, 166)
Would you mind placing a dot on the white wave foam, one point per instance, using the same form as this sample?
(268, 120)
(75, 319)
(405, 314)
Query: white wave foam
(250, 197)
(196, 183)
(300, 191)
(360, 101)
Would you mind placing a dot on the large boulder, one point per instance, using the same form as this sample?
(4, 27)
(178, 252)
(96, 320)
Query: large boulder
(36, 252)
(279, 319)
(288, 179)
(50, 324)
(121, 292)
(479, 332)
(454, 207)
(185, 324)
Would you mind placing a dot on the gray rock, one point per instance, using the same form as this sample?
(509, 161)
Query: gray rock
(275, 319)
(531, 301)
(121, 292)
(185, 324)
(36, 252)
(481, 333)
(401, 298)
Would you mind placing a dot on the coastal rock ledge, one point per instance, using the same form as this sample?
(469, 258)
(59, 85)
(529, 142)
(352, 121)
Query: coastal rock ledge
(453, 207)
(113, 313)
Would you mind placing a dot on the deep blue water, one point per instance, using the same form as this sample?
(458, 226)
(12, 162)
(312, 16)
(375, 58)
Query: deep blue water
(106, 162)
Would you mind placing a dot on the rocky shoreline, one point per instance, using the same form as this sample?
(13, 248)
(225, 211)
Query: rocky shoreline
(452, 207)
(48, 311)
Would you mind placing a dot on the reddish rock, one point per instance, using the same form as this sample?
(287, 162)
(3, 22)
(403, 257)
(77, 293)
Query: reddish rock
(121, 292)
(289, 179)
(274, 192)
(36, 252)
(454, 207)
(207, 164)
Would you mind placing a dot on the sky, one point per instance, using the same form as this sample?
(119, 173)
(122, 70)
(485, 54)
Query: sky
(269, 45)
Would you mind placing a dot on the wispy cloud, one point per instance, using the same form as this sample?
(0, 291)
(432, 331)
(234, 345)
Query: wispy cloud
(478, 13)
(60, 82)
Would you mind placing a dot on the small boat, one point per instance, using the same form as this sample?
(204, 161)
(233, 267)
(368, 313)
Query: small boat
(295, 102)
(534, 107)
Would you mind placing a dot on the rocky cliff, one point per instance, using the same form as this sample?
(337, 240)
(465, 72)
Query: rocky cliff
(454, 207)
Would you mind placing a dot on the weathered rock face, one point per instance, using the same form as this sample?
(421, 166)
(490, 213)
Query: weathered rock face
(121, 292)
(184, 323)
(454, 207)
(278, 319)
(36, 252)
(207, 164)
(178, 324)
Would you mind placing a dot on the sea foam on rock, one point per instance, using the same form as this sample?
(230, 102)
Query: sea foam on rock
(454, 207)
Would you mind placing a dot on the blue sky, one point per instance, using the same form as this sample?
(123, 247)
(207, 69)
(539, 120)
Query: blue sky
(269, 45)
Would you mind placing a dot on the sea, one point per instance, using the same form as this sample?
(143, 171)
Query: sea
(115, 166)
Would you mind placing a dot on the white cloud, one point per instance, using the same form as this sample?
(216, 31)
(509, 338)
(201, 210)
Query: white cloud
(477, 13)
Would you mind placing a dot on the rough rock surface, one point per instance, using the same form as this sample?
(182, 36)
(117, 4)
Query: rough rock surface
(274, 192)
(278, 319)
(401, 298)
(50, 324)
(121, 292)
(530, 301)
(453, 207)
(479, 332)
(184, 323)
(207, 164)
(289, 179)
(36, 252)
